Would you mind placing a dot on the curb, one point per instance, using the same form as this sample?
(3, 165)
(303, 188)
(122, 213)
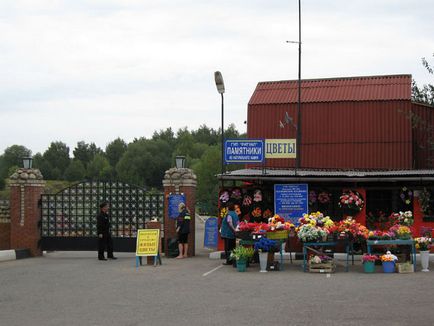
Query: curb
(7, 255)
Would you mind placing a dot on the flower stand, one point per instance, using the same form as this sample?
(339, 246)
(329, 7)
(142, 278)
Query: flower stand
(369, 267)
(388, 267)
(424, 260)
(263, 259)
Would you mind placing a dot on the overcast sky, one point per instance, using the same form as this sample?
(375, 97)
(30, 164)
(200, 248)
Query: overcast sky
(95, 70)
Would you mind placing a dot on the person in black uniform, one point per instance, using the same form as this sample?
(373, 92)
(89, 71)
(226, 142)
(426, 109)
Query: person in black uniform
(104, 236)
(183, 229)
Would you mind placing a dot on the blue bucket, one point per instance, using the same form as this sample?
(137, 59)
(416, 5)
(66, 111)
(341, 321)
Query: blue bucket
(388, 266)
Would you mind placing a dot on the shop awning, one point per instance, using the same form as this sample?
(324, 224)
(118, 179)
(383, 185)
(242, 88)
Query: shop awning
(293, 175)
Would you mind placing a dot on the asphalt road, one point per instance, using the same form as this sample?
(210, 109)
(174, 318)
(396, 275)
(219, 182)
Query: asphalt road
(66, 288)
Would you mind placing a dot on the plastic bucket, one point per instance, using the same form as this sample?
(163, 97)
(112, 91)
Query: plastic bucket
(369, 267)
(388, 267)
(241, 265)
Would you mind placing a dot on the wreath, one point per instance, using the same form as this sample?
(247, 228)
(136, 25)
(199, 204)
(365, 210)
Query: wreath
(425, 200)
(352, 200)
(324, 197)
(406, 195)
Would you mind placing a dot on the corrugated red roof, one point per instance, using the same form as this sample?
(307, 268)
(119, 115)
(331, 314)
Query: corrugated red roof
(369, 88)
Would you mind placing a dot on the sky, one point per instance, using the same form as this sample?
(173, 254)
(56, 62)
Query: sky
(95, 70)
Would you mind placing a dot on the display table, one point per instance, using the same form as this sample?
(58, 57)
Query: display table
(280, 241)
(309, 245)
(409, 242)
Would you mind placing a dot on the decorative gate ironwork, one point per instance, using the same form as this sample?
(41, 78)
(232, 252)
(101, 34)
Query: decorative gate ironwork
(68, 218)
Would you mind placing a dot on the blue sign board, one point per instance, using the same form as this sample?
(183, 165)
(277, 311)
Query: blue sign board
(210, 239)
(174, 201)
(291, 201)
(244, 151)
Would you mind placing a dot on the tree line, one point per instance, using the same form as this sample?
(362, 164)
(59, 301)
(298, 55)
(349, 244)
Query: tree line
(141, 162)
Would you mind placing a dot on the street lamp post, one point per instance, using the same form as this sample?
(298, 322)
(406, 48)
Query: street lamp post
(221, 89)
(298, 148)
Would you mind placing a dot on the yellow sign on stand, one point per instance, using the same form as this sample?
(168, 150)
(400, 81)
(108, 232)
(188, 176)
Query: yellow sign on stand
(148, 241)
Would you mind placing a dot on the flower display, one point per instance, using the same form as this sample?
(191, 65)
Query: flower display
(351, 199)
(276, 223)
(324, 197)
(310, 233)
(317, 219)
(266, 245)
(389, 257)
(319, 259)
(381, 235)
(257, 195)
(401, 231)
(247, 200)
(312, 197)
(349, 227)
(423, 243)
(406, 195)
(236, 193)
(369, 258)
(224, 196)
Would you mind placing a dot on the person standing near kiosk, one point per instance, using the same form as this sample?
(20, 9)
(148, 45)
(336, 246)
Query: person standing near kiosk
(183, 229)
(227, 232)
(103, 227)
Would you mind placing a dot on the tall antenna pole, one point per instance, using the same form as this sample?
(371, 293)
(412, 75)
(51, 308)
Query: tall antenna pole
(298, 140)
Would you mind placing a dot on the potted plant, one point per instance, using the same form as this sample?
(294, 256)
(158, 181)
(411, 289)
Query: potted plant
(388, 260)
(423, 244)
(369, 262)
(264, 246)
(242, 255)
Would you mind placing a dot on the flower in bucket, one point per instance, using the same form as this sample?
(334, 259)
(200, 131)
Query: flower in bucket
(401, 231)
(308, 232)
(423, 243)
(266, 245)
(369, 258)
(388, 257)
(351, 199)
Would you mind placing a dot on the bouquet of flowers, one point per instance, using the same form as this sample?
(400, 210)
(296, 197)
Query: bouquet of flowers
(423, 243)
(308, 233)
(324, 197)
(317, 219)
(406, 195)
(244, 226)
(369, 258)
(351, 199)
(320, 259)
(349, 227)
(389, 257)
(278, 223)
(266, 245)
(381, 235)
(401, 231)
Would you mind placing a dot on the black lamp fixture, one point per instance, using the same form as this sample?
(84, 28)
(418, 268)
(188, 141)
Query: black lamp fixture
(180, 162)
(27, 162)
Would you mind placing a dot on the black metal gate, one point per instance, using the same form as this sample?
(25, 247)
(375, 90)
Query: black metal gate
(68, 218)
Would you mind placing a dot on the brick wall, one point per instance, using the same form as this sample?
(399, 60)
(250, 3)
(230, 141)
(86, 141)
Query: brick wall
(5, 225)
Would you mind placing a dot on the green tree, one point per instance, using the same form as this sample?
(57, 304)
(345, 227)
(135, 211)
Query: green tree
(56, 157)
(99, 168)
(167, 135)
(424, 94)
(144, 163)
(206, 135)
(75, 171)
(86, 152)
(12, 156)
(114, 151)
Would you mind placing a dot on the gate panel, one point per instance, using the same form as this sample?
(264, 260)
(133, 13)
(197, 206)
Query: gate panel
(68, 218)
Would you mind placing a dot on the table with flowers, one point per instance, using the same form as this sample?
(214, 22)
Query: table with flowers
(409, 242)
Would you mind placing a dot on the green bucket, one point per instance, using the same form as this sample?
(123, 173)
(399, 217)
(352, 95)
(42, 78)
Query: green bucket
(241, 265)
(369, 266)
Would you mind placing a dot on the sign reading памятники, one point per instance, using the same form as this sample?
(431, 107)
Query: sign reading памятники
(280, 148)
(244, 151)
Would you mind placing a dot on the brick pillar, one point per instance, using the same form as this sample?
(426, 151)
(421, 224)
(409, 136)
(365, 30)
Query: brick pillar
(180, 181)
(5, 225)
(26, 186)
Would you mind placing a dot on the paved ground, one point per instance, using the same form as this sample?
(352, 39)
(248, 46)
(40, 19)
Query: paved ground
(76, 289)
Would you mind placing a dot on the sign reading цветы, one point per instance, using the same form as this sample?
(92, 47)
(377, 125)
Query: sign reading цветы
(280, 148)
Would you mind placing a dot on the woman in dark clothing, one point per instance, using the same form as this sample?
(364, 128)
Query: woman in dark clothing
(183, 229)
